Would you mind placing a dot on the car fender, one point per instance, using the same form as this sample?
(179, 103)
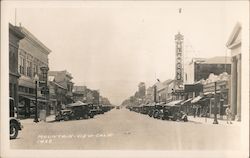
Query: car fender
(17, 122)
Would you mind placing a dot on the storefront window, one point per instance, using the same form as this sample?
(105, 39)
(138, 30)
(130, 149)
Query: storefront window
(29, 68)
(35, 69)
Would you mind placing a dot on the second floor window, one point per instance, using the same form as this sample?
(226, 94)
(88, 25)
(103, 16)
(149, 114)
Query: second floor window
(35, 70)
(21, 65)
(29, 68)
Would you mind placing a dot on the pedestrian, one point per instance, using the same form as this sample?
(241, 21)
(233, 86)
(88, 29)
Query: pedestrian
(229, 114)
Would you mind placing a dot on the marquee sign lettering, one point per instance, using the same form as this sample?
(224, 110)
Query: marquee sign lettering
(179, 57)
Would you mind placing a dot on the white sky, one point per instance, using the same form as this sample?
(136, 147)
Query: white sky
(114, 47)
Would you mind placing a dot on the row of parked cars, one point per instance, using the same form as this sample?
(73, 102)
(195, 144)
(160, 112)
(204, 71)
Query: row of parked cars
(80, 110)
(161, 111)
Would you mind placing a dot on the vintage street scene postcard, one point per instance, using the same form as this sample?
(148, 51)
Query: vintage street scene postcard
(125, 79)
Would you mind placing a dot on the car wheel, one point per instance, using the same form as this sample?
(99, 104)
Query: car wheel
(156, 114)
(91, 115)
(85, 116)
(185, 119)
(13, 131)
(174, 118)
(66, 118)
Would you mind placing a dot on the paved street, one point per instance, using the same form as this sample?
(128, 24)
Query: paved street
(123, 129)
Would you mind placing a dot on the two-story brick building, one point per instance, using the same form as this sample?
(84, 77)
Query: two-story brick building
(32, 55)
(64, 79)
(15, 35)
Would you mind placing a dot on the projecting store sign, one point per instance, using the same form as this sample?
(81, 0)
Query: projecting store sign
(179, 57)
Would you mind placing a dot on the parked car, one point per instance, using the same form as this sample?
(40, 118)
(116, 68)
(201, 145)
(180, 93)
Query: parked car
(118, 107)
(77, 110)
(174, 113)
(148, 108)
(65, 115)
(15, 124)
(106, 108)
(95, 110)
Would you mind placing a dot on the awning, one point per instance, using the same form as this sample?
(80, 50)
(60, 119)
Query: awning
(78, 103)
(28, 97)
(150, 104)
(196, 99)
(42, 100)
(186, 101)
(33, 98)
(141, 105)
(173, 103)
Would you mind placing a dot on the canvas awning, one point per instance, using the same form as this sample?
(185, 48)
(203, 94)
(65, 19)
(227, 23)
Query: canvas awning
(173, 103)
(186, 101)
(78, 103)
(196, 99)
(33, 99)
(28, 97)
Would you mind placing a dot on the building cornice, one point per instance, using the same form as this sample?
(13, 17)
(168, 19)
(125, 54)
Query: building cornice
(30, 37)
(16, 31)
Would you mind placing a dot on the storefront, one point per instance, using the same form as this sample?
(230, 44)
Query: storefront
(27, 106)
(192, 94)
(216, 94)
(186, 106)
(14, 37)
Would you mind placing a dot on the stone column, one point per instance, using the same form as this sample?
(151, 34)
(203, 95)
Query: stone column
(239, 87)
(234, 87)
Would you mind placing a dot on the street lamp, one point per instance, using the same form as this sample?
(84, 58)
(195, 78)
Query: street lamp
(215, 105)
(36, 78)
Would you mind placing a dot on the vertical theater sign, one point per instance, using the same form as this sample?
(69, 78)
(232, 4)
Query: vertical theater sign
(179, 60)
(178, 90)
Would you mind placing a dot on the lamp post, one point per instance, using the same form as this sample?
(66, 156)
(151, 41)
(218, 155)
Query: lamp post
(215, 105)
(36, 81)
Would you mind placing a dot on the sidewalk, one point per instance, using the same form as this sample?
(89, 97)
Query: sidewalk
(205, 120)
(31, 120)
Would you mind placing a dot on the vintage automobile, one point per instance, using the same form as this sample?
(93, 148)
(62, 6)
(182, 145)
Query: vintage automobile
(147, 109)
(81, 110)
(15, 124)
(77, 110)
(173, 112)
(157, 111)
(169, 111)
(65, 115)
(136, 108)
(95, 110)
(106, 108)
